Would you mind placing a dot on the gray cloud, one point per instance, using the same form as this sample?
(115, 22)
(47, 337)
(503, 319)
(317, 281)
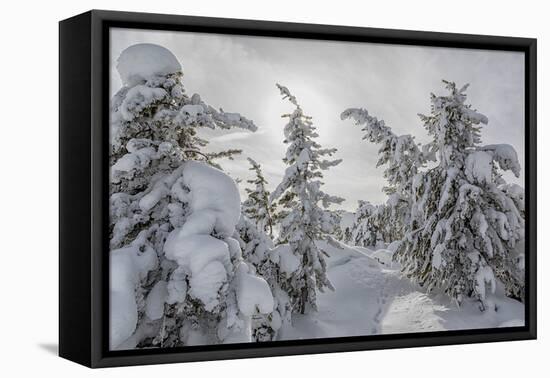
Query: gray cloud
(238, 73)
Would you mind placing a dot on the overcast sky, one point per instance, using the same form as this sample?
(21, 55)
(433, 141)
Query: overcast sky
(238, 74)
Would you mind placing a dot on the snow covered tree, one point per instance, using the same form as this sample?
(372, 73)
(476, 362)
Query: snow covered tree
(368, 225)
(305, 222)
(402, 159)
(462, 225)
(259, 252)
(257, 206)
(177, 275)
(465, 226)
(399, 153)
(344, 230)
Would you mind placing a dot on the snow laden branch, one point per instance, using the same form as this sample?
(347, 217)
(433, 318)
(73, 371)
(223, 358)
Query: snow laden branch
(301, 198)
(399, 153)
(402, 159)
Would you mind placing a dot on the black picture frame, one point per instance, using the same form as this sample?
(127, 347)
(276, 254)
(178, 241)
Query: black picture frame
(83, 180)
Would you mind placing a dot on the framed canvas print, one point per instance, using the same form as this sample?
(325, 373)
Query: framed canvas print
(233, 188)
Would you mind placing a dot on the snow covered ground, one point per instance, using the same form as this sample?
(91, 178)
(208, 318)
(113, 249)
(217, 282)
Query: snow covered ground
(371, 297)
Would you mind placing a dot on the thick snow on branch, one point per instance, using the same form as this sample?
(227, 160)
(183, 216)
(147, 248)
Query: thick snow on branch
(142, 62)
(399, 153)
(214, 206)
(211, 190)
(139, 98)
(153, 104)
(128, 266)
(375, 130)
(506, 157)
(479, 167)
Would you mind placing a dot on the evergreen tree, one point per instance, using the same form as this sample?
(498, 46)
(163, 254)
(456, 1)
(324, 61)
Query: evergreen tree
(344, 230)
(158, 292)
(368, 227)
(305, 221)
(464, 227)
(257, 206)
(402, 159)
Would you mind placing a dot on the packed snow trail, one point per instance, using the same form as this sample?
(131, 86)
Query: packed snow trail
(349, 310)
(372, 297)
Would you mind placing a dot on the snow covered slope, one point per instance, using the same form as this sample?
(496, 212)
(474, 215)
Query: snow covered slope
(371, 298)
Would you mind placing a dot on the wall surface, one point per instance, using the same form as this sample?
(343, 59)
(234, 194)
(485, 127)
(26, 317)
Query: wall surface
(28, 158)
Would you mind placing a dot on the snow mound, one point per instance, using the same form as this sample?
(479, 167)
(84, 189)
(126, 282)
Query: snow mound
(383, 256)
(141, 62)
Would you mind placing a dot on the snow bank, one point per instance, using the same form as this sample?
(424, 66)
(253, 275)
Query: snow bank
(141, 62)
(384, 257)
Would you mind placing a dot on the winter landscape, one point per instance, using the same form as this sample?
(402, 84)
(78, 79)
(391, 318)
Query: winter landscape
(346, 190)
